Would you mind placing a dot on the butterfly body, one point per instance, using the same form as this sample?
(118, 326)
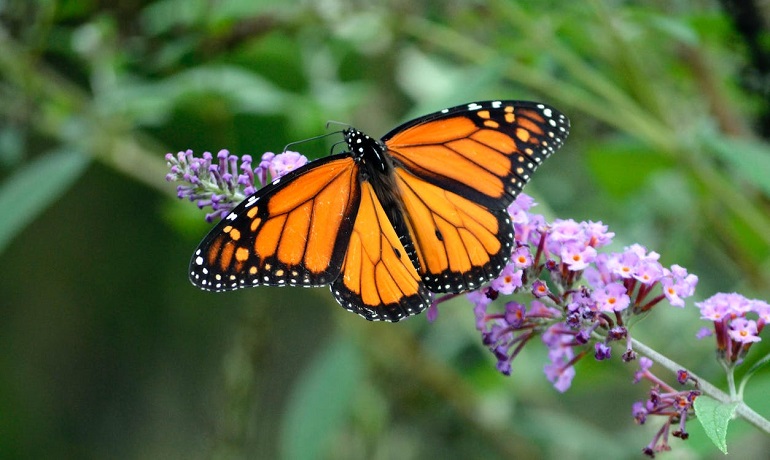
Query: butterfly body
(385, 224)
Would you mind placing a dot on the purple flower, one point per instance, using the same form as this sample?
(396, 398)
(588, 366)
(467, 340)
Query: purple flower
(648, 272)
(285, 162)
(703, 333)
(224, 182)
(560, 370)
(623, 265)
(565, 231)
(521, 257)
(597, 234)
(576, 256)
(762, 309)
(734, 333)
(722, 305)
(716, 308)
(678, 284)
(602, 351)
(611, 298)
(508, 281)
(743, 330)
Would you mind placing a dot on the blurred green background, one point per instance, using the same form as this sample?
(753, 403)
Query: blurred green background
(107, 351)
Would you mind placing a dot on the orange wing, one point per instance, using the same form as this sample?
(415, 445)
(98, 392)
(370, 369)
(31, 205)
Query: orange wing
(292, 232)
(460, 244)
(378, 281)
(456, 172)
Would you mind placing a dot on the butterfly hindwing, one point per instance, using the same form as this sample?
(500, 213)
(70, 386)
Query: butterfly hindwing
(291, 232)
(460, 244)
(378, 280)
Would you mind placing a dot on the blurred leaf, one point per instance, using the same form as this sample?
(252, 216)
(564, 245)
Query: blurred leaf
(715, 416)
(12, 140)
(672, 27)
(151, 103)
(29, 191)
(162, 16)
(321, 400)
(623, 166)
(750, 158)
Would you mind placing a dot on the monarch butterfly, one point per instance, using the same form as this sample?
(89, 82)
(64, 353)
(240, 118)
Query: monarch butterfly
(387, 223)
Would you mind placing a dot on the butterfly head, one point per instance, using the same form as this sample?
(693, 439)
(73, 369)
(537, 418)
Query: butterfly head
(366, 150)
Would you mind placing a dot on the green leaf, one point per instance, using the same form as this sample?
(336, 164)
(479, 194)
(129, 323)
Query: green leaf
(715, 416)
(320, 402)
(750, 158)
(33, 187)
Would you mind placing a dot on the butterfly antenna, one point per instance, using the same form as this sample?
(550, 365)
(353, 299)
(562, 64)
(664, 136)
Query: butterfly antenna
(334, 146)
(321, 136)
(334, 122)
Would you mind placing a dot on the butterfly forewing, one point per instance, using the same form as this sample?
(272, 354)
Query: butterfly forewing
(292, 232)
(485, 151)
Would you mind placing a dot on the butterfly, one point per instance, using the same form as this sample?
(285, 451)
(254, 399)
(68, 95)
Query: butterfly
(391, 221)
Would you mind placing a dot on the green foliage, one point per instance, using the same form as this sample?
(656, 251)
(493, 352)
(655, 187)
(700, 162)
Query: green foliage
(715, 417)
(23, 196)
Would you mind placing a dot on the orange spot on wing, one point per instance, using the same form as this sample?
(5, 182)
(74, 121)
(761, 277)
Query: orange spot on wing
(226, 256)
(241, 254)
(267, 240)
(255, 224)
(294, 235)
(530, 126)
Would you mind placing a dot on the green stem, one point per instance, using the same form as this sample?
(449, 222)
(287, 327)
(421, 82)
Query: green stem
(744, 411)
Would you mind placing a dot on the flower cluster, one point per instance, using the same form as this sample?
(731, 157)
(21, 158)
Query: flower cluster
(734, 331)
(675, 406)
(224, 183)
(551, 261)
